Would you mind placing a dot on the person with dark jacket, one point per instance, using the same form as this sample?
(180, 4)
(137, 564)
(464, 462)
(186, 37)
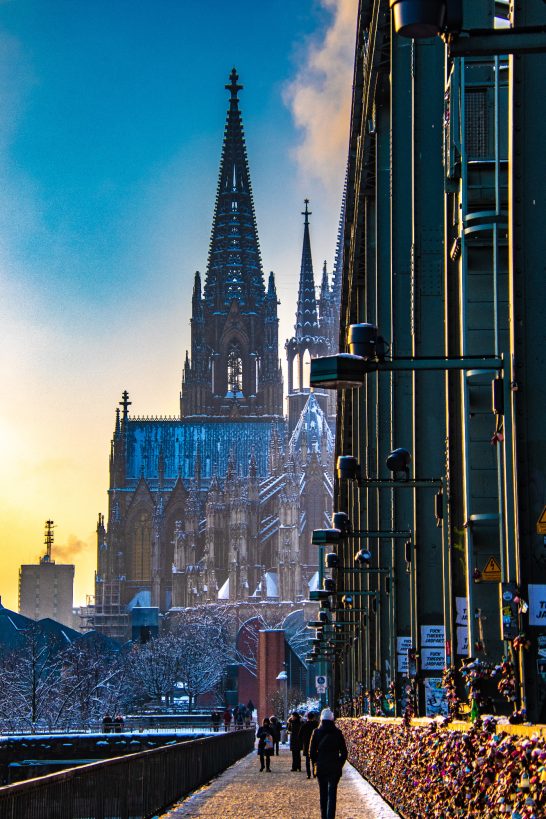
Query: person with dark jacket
(306, 733)
(276, 732)
(294, 727)
(265, 744)
(328, 753)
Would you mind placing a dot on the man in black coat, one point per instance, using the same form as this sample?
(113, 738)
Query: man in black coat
(294, 727)
(306, 732)
(328, 753)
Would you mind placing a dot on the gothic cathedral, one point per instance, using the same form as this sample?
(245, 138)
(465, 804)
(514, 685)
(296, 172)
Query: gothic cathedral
(219, 504)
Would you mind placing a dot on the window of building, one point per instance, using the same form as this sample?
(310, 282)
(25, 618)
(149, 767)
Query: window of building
(142, 547)
(235, 370)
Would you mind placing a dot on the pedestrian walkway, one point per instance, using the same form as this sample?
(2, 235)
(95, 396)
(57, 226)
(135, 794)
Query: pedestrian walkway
(243, 792)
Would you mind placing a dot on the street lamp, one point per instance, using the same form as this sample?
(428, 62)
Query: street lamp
(283, 678)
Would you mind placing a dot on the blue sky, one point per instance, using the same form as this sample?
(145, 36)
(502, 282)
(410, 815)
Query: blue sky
(110, 137)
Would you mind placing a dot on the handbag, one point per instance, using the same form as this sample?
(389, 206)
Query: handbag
(268, 742)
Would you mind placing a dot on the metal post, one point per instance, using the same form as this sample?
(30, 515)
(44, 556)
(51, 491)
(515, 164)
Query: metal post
(446, 573)
(322, 663)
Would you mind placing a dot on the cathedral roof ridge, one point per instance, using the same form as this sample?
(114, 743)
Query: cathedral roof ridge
(154, 418)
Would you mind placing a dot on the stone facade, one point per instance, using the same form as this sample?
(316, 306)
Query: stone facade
(219, 504)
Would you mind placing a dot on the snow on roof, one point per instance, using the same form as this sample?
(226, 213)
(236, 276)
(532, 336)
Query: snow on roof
(141, 598)
(223, 593)
(272, 586)
(313, 582)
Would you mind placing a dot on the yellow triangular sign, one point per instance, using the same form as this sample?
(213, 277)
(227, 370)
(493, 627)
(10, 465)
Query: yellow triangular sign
(541, 523)
(492, 570)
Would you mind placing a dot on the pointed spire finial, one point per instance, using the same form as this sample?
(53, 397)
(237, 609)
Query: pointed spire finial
(125, 403)
(233, 87)
(307, 213)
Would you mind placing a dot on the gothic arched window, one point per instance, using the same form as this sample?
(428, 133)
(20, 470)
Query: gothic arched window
(142, 548)
(235, 370)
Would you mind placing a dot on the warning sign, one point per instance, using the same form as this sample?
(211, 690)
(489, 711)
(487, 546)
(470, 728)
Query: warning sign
(541, 523)
(492, 571)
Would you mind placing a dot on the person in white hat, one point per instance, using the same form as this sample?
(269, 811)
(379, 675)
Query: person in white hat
(328, 753)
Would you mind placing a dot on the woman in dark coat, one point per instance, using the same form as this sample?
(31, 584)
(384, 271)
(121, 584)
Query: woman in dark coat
(294, 728)
(305, 738)
(328, 752)
(265, 745)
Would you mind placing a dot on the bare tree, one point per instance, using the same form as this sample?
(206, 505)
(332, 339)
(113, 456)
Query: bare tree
(91, 684)
(201, 644)
(295, 698)
(30, 682)
(152, 669)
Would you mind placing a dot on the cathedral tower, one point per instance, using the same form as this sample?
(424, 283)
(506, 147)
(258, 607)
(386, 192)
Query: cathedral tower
(234, 369)
(310, 338)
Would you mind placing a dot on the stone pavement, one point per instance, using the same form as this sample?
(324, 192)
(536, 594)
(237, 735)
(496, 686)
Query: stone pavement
(242, 792)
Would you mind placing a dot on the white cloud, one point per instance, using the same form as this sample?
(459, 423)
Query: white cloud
(320, 97)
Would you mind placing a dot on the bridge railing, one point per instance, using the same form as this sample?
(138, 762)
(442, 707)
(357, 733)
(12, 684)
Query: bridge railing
(135, 786)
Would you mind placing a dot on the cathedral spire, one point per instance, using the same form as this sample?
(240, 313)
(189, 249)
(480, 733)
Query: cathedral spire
(234, 269)
(307, 325)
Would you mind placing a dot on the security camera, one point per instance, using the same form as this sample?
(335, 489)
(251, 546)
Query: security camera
(348, 468)
(342, 521)
(363, 557)
(361, 340)
(319, 596)
(399, 461)
(324, 537)
(426, 18)
(332, 561)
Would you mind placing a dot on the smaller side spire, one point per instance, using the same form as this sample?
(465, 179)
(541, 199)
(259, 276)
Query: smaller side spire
(125, 404)
(307, 325)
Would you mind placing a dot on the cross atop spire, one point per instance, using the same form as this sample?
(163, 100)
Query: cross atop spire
(234, 87)
(125, 403)
(307, 213)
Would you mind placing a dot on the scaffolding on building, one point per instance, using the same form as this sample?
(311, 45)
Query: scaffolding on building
(110, 617)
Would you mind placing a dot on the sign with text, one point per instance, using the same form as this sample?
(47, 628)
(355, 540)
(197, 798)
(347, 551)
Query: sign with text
(462, 641)
(433, 637)
(462, 611)
(403, 644)
(433, 659)
(321, 683)
(491, 572)
(402, 663)
(537, 604)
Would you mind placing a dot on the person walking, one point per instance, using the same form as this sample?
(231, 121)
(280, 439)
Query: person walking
(265, 744)
(294, 728)
(227, 719)
(276, 732)
(328, 753)
(306, 733)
